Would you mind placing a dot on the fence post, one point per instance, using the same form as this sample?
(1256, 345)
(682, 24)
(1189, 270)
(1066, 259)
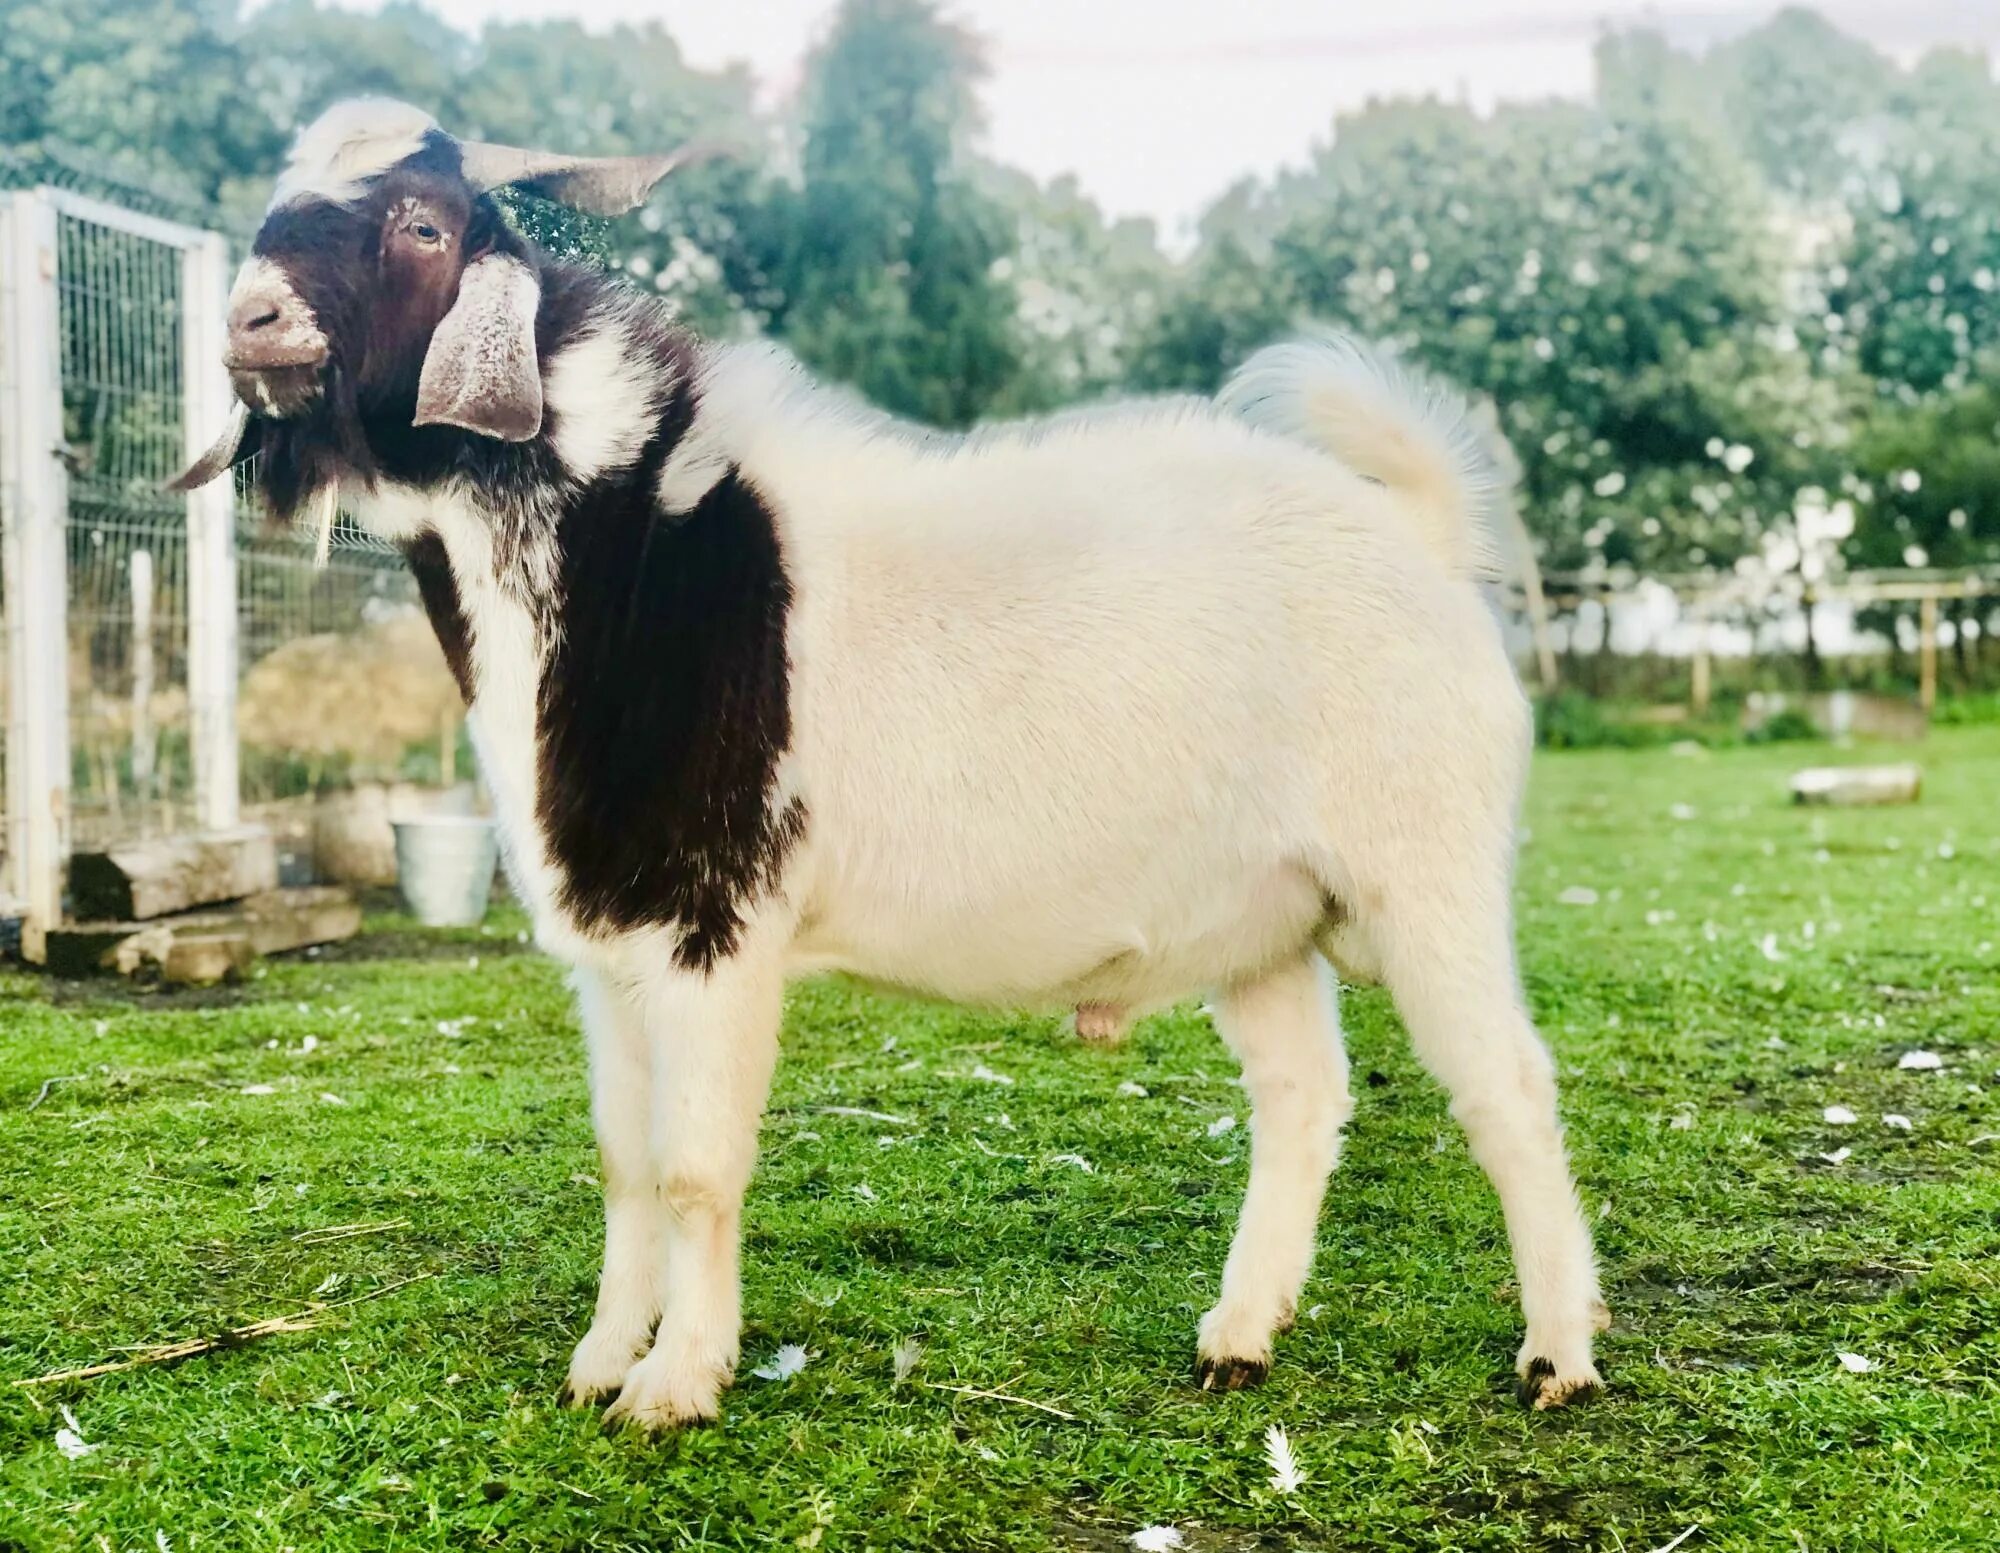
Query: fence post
(141, 568)
(211, 537)
(1699, 688)
(1927, 645)
(34, 513)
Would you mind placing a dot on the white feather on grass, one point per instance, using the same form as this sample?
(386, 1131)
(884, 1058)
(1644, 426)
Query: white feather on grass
(70, 1440)
(1287, 1477)
(905, 1355)
(1157, 1539)
(783, 1364)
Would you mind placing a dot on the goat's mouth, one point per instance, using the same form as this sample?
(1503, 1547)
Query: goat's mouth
(280, 392)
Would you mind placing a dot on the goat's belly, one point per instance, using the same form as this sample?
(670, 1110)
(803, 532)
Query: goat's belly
(1070, 941)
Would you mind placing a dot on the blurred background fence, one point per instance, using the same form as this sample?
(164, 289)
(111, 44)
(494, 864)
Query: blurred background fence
(152, 685)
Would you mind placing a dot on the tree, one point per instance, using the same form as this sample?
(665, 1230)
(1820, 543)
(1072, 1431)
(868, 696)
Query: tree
(1086, 288)
(885, 277)
(1791, 96)
(1567, 262)
(152, 89)
(1918, 288)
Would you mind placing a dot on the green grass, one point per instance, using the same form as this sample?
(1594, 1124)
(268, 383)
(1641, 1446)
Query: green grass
(151, 1198)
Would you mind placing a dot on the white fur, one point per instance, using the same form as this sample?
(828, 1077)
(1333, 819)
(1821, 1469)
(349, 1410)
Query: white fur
(352, 142)
(1393, 423)
(509, 644)
(1109, 708)
(1285, 1030)
(605, 401)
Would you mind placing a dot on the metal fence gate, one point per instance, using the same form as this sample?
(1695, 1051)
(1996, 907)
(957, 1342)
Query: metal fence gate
(138, 624)
(119, 598)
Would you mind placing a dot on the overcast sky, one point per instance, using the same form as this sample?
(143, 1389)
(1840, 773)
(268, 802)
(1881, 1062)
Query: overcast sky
(1159, 105)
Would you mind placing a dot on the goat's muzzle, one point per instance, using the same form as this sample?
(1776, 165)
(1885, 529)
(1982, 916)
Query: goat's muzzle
(276, 347)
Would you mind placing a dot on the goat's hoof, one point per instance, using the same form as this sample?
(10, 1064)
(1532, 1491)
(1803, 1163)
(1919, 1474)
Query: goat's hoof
(598, 1368)
(1543, 1387)
(658, 1397)
(665, 1416)
(1231, 1374)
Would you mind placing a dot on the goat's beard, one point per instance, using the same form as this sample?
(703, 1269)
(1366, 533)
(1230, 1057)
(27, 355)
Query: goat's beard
(302, 458)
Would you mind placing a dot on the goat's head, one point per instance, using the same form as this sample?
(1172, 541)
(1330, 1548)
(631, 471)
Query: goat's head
(384, 282)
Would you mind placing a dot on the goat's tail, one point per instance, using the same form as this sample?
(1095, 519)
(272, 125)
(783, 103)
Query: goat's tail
(1394, 424)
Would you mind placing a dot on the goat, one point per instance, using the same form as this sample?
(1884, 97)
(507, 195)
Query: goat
(1088, 712)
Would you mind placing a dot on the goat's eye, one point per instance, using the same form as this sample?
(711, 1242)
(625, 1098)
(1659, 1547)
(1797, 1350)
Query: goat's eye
(426, 233)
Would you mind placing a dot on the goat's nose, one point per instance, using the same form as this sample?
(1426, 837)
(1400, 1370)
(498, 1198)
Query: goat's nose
(252, 314)
(270, 325)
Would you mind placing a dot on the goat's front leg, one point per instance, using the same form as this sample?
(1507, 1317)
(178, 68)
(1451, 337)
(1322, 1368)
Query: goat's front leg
(713, 1038)
(621, 1088)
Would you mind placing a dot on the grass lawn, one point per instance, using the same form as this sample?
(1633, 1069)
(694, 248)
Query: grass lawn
(1046, 1231)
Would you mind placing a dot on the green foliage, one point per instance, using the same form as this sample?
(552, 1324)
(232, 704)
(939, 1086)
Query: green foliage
(1569, 720)
(1786, 726)
(153, 1196)
(1974, 711)
(889, 283)
(1932, 482)
(1722, 309)
(1917, 289)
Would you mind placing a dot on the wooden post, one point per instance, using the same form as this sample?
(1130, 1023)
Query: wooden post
(1699, 690)
(1927, 631)
(34, 513)
(141, 563)
(1537, 601)
(211, 530)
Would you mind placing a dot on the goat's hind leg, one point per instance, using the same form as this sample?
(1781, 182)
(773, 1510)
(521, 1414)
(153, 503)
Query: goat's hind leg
(1285, 1029)
(1450, 964)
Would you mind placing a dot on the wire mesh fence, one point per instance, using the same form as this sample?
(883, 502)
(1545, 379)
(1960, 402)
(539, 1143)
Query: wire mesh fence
(335, 677)
(119, 327)
(339, 674)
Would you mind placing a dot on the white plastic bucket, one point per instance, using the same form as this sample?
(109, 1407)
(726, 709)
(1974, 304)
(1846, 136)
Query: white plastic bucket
(444, 867)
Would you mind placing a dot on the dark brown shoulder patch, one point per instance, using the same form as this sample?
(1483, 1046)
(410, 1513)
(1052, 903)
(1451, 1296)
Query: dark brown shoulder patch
(664, 711)
(438, 589)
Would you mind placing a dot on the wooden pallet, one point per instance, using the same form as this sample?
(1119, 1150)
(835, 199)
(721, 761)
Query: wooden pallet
(210, 945)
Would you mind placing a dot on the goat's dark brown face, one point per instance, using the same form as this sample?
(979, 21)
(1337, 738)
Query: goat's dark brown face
(357, 288)
(384, 284)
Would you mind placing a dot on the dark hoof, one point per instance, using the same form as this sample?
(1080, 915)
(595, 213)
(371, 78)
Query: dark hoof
(1539, 1389)
(1231, 1374)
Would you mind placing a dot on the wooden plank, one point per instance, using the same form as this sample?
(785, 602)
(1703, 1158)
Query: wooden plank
(201, 959)
(148, 879)
(1852, 786)
(205, 945)
(293, 919)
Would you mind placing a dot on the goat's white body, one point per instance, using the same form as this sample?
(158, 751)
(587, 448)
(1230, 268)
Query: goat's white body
(1091, 711)
(1110, 710)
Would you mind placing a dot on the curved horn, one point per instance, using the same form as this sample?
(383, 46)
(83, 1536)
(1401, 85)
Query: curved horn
(236, 443)
(598, 185)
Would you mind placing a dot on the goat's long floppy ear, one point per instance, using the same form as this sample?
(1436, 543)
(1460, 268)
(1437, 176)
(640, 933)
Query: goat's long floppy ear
(481, 372)
(238, 441)
(597, 185)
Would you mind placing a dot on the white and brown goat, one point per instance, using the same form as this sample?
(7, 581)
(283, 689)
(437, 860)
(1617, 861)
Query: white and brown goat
(1097, 711)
